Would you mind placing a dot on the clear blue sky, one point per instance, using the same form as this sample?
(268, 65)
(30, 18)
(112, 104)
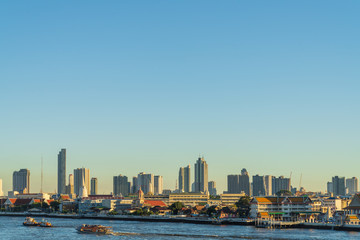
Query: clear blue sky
(271, 86)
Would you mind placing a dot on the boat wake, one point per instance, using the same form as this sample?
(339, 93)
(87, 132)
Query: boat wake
(178, 235)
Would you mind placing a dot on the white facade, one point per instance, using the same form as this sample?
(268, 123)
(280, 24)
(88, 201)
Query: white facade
(284, 205)
(334, 204)
(81, 175)
(230, 198)
(158, 185)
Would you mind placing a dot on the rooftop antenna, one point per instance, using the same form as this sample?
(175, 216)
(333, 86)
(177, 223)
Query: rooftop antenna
(300, 181)
(42, 176)
(176, 185)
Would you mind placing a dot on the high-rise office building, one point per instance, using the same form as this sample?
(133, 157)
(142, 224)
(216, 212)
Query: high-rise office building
(94, 186)
(21, 181)
(201, 175)
(134, 186)
(158, 185)
(70, 186)
(352, 185)
(212, 188)
(280, 184)
(121, 186)
(258, 184)
(244, 182)
(268, 185)
(1, 189)
(81, 176)
(233, 184)
(62, 171)
(184, 179)
(330, 188)
(146, 182)
(239, 183)
(338, 186)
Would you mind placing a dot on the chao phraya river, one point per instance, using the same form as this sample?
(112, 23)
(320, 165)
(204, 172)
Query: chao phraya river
(12, 228)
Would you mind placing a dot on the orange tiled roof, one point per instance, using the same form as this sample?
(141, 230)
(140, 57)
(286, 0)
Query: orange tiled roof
(264, 214)
(352, 217)
(24, 201)
(279, 200)
(155, 203)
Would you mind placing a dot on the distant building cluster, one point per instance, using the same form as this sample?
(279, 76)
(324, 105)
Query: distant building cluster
(80, 183)
(341, 187)
(269, 197)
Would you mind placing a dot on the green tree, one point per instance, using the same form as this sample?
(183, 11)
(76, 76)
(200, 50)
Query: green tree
(45, 205)
(35, 205)
(283, 193)
(176, 206)
(243, 206)
(211, 211)
(55, 205)
(113, 212)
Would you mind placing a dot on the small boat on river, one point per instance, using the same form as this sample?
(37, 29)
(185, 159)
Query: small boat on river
(45, 223)
(97, 229)
(30, 222)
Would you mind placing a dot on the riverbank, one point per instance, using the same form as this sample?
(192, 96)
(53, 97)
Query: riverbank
(191, 220)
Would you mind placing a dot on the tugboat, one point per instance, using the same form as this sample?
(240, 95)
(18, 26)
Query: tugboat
(97, 229)
(45, 223)
(30, 222)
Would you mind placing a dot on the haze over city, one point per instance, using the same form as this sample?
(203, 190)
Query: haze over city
(126, 88)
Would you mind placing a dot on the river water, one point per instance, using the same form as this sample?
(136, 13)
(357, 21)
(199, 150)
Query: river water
(12, 228)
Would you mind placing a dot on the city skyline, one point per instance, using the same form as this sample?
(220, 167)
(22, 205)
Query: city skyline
(267, 86)
(154, 183)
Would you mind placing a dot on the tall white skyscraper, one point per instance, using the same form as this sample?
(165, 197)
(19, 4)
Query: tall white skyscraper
(268, 185)
(145, 182)
(62, 171)
(1, 189)
(201, 175)
(184, 179)
(158, 185)
(81, 175)
(21, 181)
